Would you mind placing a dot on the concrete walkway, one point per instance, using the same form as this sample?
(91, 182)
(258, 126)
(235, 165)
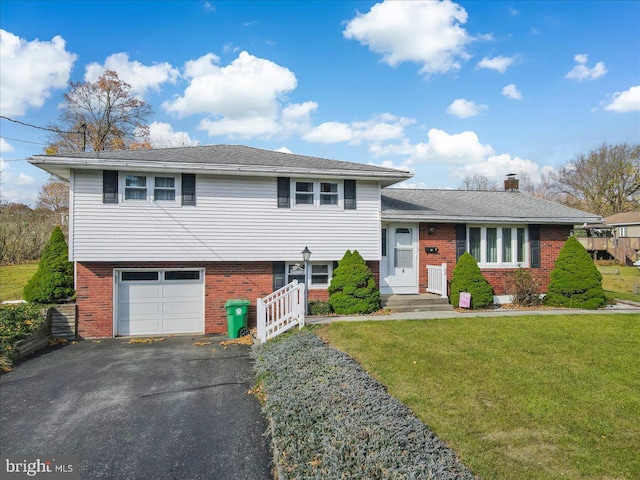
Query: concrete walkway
(628, 307)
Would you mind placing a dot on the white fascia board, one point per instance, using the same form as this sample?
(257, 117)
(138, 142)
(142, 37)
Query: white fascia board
(491, 220)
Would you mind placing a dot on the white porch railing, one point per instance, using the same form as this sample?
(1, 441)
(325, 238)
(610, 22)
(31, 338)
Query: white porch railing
(281, 310)
(437, 279)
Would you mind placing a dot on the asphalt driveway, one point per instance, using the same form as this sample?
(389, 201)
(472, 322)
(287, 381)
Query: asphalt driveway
(163, 410)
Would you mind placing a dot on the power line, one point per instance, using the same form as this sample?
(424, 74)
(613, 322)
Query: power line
(36, 126)
(24, 141)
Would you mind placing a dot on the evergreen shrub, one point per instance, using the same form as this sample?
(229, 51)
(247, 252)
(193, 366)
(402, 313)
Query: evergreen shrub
(353, 288)
(467, 277)
(53, 281)
(575, 280)
(318, 307)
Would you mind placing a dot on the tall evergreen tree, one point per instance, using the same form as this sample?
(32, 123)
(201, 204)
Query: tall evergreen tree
(467, 277)
(353, 288)
(53, 281)
(575, 280)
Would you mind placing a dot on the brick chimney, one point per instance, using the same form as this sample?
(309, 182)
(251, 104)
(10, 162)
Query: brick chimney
(511, 183)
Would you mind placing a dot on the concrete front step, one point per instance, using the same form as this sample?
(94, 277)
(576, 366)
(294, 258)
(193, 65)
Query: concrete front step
(415, 303)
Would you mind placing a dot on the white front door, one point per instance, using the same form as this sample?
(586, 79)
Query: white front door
(401, 272)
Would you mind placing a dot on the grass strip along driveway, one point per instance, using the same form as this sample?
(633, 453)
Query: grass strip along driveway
(330, 419)
(519, 397)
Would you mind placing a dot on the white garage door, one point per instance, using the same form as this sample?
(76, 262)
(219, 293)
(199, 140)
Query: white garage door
(159, 302)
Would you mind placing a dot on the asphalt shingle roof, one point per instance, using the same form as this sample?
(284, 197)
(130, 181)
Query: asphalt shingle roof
(239, 155)
(625, 218)
(462, 206)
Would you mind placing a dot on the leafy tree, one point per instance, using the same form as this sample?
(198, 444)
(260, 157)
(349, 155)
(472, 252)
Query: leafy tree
(575, 280)
(605, 181)
(103, 115)
(23, 232)
(467, 277)
(54, 196)
(53, 281)
(353, 288)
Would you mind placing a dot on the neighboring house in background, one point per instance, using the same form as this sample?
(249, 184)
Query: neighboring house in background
(617, 239)
(161, 239)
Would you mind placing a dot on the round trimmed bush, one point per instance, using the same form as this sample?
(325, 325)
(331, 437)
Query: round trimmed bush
(467, 277)
(575, 280)
(353, 288)
(53, 281)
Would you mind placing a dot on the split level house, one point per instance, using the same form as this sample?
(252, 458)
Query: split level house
(162, 238)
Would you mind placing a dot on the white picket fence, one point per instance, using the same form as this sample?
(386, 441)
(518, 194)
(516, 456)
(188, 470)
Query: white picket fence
(281, 310)
(437, 279)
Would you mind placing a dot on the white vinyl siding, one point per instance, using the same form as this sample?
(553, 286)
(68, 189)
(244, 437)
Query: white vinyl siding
(236, 219)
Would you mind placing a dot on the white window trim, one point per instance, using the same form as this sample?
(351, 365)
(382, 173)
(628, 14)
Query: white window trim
(514, 246)
(312, 286)
(151, 182)
(622, 232)
(316, 193)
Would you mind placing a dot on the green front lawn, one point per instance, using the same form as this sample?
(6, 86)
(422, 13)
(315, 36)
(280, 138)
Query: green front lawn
(541, 397)
(13, 278)
(621, 284)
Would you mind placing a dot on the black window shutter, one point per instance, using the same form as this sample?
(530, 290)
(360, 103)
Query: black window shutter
(279, 277)
(461, 240)
(534, 245)
(284, 193)
(188, 189)
(349, 194)
(109, 186)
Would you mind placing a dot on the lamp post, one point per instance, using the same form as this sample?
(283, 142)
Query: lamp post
(306, 255)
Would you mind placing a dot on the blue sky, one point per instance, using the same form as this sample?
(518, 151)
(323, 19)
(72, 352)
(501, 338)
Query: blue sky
(444, 89)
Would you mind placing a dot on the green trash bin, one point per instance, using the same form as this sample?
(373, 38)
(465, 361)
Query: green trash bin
(237, 313)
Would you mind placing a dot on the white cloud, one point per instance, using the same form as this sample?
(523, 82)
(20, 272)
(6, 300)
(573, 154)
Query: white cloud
(329, 132)
(297, 117)
(208, 7)
(283, 149)
(377, 129)
(426, 33)
(627, 101)
(142, 78)
(582, 72)
(24, 179)
(412, 185)
(513, 12)
(243, 98)
(464, 147)
(161, 135)
(462, 108)
(498, 63)
(30, 71)
(495, 167)
(5, 146)
(512, 92)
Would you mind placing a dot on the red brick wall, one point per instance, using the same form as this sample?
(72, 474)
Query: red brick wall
(223, 280)
(552, 239)
(94, 285)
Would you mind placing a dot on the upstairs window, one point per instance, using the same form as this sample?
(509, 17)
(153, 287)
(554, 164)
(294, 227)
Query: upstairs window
(304, 193)
(165, 189)
(135, 187)
(328, 193)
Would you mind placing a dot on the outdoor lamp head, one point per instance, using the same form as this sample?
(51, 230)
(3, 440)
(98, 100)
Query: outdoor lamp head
(306, 254)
